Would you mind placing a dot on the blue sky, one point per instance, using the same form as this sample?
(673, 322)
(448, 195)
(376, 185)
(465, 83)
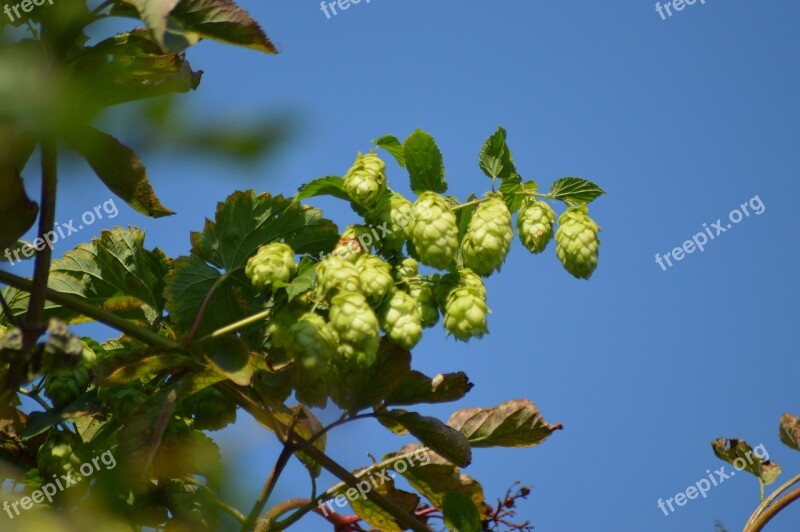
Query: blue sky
(680, 120)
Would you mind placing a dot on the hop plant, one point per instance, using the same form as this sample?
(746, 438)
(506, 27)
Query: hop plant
(465, 310)
(400, 319)
(211, 410)
(434, 231)
(488, 237)
(335, 274)
(312, 344)
(280, 323)
(376, 277)
(357, 328)
(422, 293)
(535, 224)
(394, 213)
(577, 243)
(351, 244)
(59, 456)
(64, 386)
(123, 401)
(366, 179)
(273, 263)
(407, 269)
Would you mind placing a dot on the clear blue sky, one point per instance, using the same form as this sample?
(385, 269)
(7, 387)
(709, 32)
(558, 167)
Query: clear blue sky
(680, 120)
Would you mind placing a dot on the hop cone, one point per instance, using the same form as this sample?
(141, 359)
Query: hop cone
(376, 277)
(211, 410)
(577, 244)
(394, 216)
(434, 231)
(354, 242)
(535, 224)
(465, 310)
(335, 274)
(59, 455)
(488, 237)
(357, 328)
(272, 263)
(279, 325)
(312, 344)
(407, 268)
(366, 179)
(64, 386)
(123, 400)
(422, 293)
(400, 318)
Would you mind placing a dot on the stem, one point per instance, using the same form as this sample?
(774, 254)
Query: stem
(33, 320)
(338, 423)
(266, 523)
(269, 485)
(785, 486)
(233, 327)
(469, 204)
(90, 311)
(762, 520)
(201, 313)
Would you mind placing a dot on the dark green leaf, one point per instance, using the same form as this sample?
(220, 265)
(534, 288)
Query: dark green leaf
(378, 518)
(575, 190)
(231, 358)
(154, 13)
(224, 21)
(464, 217)
(120, 169)
(434, 434)
(85, 406)
(118, 370)
(391, 144)
(512, 424)
(460, 513)
(419, 388)
(245, 221)
(324, 186)
(740, 455)
(790, 431)
(425, 163)
(495, 158)
(17, 211)
(304, 280)
(307, 426)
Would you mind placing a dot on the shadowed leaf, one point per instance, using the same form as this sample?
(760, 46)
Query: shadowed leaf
(512, 424)
(460, 513)
(790, 431)
(434, 434)
(740, 455)
(419, 388)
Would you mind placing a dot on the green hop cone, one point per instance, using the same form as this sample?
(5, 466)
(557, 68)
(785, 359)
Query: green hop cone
(312, 344)
(273, 263)
(357, 328)
(59, 455)
(577, 243)
(394, 214)
(465, 278)
(376, 277)
(422, 293)
(488, 237)
(279, 323)
(366, 179)
(353, 243)
(465, 310)
(400, 318)
(64, 386)
(535, 224)
(123, 401)
(407, 269)
(211, 410)
(434, 230)
(334, 274)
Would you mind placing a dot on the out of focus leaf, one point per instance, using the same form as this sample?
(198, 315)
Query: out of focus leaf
(740, 455)
(231, 358)
(512, 424)
(119, 370)
(790, 431)
(17, 211)
(306, 426)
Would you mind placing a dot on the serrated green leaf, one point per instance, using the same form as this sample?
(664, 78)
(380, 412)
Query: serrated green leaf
(419, 388)
(324, 186)
(790, 431)
(244, 222)
(513, 424)
(434, 434)
(575, 190)
(495, 158)
(224, 21)
(120, 169)
(464, 217)
(304, 280)
(130, 366)
(391, 144)
(740, 455)
(460, 513)
(425, 163)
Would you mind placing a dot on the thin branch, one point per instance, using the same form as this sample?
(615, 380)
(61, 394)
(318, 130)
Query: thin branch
(766, 502)
(233, 327)
(201, 313)
(770, 512)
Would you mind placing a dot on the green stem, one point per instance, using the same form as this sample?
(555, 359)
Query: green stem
(201, 313)
(766, 502)
(233, 327)
(469, 204)
(761, 521)
(267, 522)
(90, 311)
(269, 485)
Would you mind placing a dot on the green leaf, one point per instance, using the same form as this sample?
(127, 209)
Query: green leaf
(374, 515)
(324, 186)
(17, 211)
(575, 190)
(495, 158)
(434, 434)
(464, 216)
(304, 280)
(460, 513)
(513, 424)
(120, 169)
(307, 426)
(425, 163)
(231, 358)
(224, 21)
(419, 388)
(154, 13)
(740, 455)
(435, 477)
(391, 144)
(244, 222)
(790, 431)
(130, 366)
(85, 406)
